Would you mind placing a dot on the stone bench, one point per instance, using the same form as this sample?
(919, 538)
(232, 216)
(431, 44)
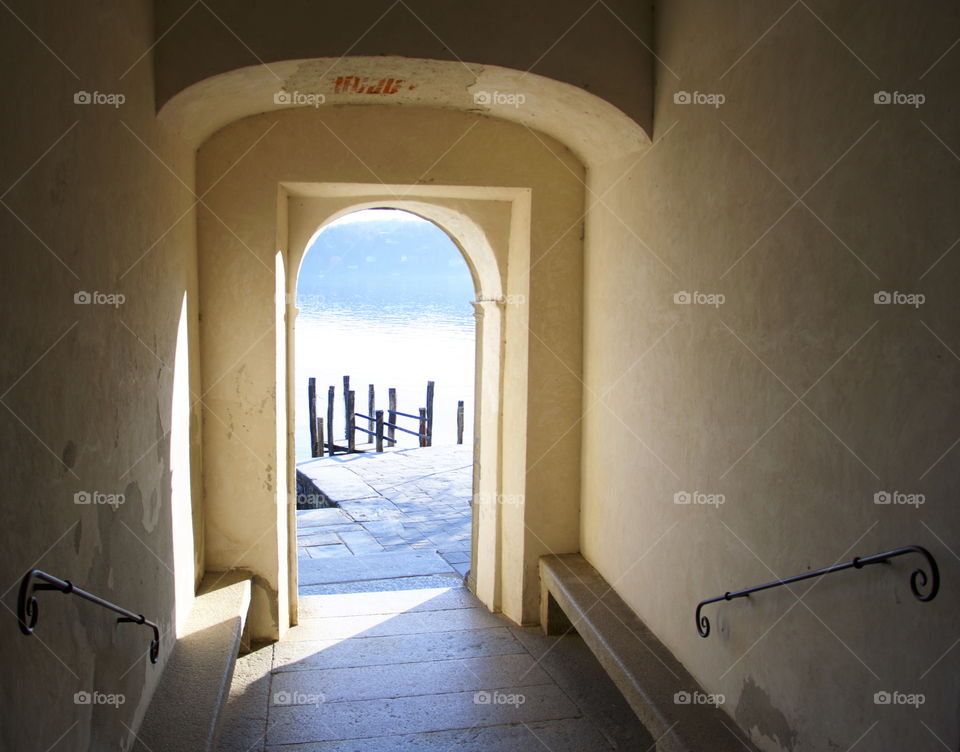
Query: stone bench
(184, 713)
(574, 595)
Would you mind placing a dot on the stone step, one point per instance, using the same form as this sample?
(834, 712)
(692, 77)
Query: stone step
(652, 680)
(184, 713)
(372, 566)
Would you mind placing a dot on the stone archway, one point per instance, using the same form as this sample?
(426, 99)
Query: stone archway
(594, 129)
(232, 116)
(463, 214)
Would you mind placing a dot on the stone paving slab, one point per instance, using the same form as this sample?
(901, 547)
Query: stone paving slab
(372, 566)
(301, 704)
(572, 665)
(325, 538)
(406, 715)
(361, 542)
(317, 517)
(245, 721)
(395, 583)
(389, 602)
(565, 735)
(372, 510)
(378, 625)
(393, 653)
(405, 501)
(407, 679)
(338, 483)
(412, 648)
(324, 552)
(386, 528)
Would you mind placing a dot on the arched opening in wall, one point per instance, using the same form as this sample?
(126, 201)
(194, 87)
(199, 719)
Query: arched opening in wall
(491, 229)
(384, 383)
(484, 203)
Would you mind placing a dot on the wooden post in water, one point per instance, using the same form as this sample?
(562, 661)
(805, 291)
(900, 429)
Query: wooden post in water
(372, 405)
(460, 422)
(346, 408)
(330, 396)
(392, 415)
(423, 427)
(429, 414)
(312, 407)
(379, 421)
(351, 422)
(320, 437)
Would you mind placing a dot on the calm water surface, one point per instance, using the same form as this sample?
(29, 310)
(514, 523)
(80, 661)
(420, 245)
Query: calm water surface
(400, 343)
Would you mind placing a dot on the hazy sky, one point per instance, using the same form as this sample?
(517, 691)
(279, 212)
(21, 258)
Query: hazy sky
(385, 253)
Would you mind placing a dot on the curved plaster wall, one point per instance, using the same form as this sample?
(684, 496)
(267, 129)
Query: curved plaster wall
(595, 130)
(539, 40)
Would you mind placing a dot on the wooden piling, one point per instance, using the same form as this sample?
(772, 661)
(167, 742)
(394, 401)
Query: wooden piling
(429, 414)
(312, 407)
(346, 408)
(371, 405)
(392, 415)
(460, 422)
(379, 422)
(351, 421)
(331, 393)
(320, 434)
(423, 427)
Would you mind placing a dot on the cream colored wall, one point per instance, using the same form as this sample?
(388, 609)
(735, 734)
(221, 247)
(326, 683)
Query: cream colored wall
(693, 398)
(88, 390)
(687, 397)
(544, 37)
(242, 166)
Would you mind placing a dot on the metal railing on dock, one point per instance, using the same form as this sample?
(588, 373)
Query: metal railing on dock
(381, 425)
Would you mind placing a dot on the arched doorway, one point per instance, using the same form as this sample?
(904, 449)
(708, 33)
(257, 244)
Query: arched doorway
(288, 173)
(383, 300)
(384, 297)
(456, 211)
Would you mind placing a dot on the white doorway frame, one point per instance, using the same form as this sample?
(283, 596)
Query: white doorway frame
(491, 227)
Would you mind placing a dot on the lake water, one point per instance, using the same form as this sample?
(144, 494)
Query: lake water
(384, 298)
(402, 343)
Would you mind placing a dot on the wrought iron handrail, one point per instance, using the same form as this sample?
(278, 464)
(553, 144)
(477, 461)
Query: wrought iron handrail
(918, 580)
(28, 608)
